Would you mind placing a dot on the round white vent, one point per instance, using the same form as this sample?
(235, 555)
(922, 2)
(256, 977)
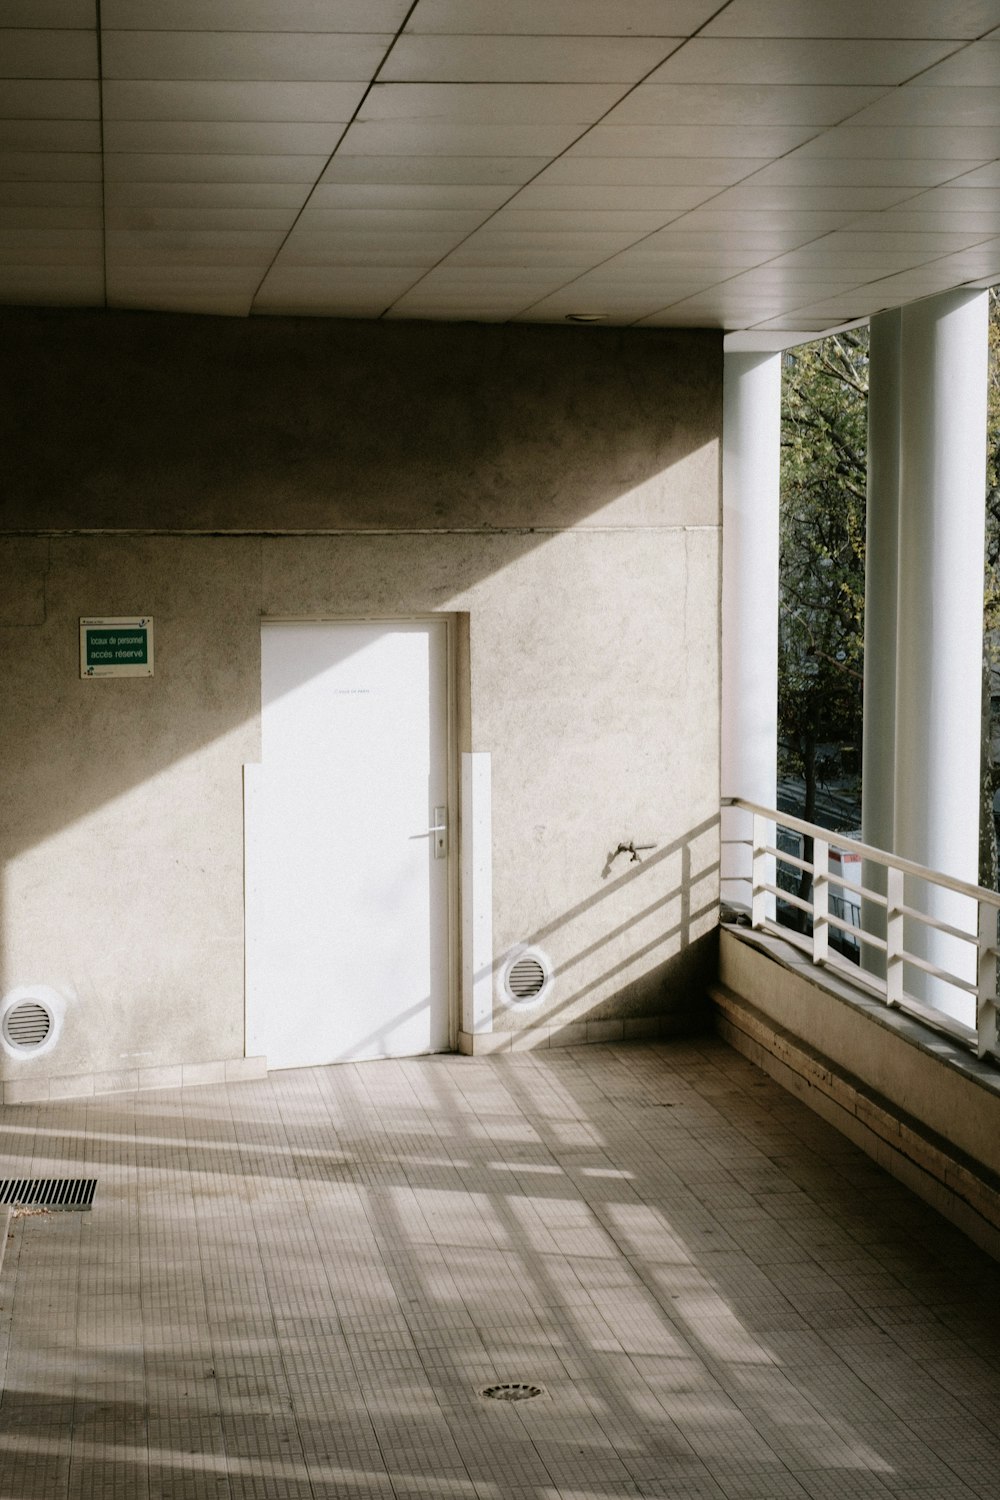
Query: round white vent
(30, 1020)
(526, 977)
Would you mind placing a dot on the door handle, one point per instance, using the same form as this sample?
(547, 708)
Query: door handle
(439, 831)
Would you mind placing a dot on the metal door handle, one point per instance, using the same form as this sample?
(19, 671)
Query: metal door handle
(440, 832)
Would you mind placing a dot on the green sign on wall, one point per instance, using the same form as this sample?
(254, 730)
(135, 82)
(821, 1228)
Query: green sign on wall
(117, 647)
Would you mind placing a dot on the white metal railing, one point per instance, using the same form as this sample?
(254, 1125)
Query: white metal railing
(922, 941)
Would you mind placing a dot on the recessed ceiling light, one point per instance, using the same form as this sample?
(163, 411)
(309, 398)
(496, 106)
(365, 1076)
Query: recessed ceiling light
(586, 317)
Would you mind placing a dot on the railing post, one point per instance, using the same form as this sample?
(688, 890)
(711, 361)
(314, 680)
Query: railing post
(821, 900)
(893, 936)
(986, 980)
(758, 896)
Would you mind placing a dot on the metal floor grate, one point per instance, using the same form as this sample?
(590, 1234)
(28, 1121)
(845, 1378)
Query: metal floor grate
(47, 1192)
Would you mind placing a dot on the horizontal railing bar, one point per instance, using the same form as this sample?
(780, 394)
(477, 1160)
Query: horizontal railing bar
(867, 851)
(942, 974)
(775, 890)
(789, 859)
(936, 925)
(845, 926)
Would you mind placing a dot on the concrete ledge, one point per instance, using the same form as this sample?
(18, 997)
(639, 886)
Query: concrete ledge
(130, 1080)
(926, 1110)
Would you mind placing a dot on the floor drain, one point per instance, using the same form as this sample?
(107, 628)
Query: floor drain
(513, 1391)
(47, 1192)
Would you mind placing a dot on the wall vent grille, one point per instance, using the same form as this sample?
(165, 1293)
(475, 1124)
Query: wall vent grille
(526, 978)
(27, 1025)
(47, 1192)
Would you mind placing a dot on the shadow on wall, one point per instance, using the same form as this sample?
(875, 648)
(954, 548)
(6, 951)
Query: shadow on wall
(441, 458)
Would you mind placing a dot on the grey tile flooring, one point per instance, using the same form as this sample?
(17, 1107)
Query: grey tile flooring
(299, 1286)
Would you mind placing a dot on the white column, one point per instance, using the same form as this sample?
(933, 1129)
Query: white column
(940, 602)
(881, 558)
(751, 451)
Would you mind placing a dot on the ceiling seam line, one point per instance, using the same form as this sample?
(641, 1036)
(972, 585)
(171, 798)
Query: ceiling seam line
(357, 108)
(559, 155)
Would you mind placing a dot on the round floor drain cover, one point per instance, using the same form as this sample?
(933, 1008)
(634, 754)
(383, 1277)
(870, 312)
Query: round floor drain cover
(513, 1391)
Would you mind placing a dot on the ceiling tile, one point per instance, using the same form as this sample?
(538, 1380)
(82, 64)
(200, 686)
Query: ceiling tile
(739, 104)
(202, 218)
(403, 249)
(978, 63)
(461, 169)
(759, 196)
(48, 54)
(490, 103)
(50, 166)
(977, 107)
(524, 59)
(377, 195)
(562, 17)
(560, 221)
(45, 99)
(654, 171)
(231, 101)
(394, 220)
(52, 286)
(254, 15)
(797, 60)
(544, 194)
(50, 13)
(984, 176)
(50, 194)
(144, 166)
(50, 246)
(858, 18)
(691, 140)
(221, 137)
(448, 138)
(50, 216)
(800, 169)
(49, 135)
(190, 247)
(211, 195)
(945, 143)
(249, 56)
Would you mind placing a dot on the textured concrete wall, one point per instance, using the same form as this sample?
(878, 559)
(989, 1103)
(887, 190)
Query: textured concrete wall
(557, 488)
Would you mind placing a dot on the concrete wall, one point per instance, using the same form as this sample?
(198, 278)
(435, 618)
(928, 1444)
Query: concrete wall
(558, 488)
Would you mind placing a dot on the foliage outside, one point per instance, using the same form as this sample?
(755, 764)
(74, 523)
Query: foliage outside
(821, 618)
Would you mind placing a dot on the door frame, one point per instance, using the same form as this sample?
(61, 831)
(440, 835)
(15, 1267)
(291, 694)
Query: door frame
(450, 623)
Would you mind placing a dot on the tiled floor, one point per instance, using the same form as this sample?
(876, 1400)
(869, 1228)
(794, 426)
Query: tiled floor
(299, 1287)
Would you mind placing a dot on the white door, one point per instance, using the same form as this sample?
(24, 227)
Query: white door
(347, 868)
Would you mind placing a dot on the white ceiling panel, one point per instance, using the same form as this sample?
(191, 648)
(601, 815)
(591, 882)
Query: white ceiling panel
(563, 17)
(207, 195)
(277, 220)
(797, 60)
(254, 15)
(52, 286)
(50, 247)
(560, 221)
(221, 137)
(49, 135)
(54, 216)
(490, 103)
(691, 140)
(379, 221)
(975, 64)
(985, 176)
(50, 13)
(762, 197)
(857, 18)
(407, 196)
(543, 194)
(357, 250)
(764, 226)
(153, 167)
(977, 107)
(708, 173)
(198, 100)
(48, 54)
(247, 56)
(524, 59)
(447, 138)
(740, 104)
(49, 99)
(801, 170)
(944, 143)
(972, 226)
(482, 171)
(50, 194)
(50, 166)
(190, 247)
